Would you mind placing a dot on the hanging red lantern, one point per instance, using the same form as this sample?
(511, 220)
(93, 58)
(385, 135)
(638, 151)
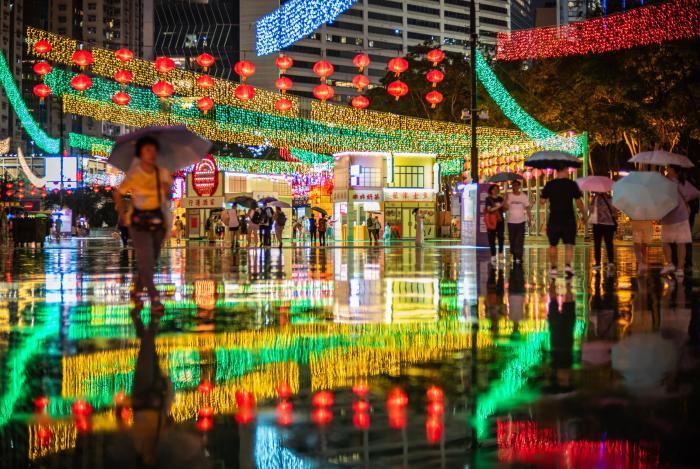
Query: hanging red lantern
(434, 98)
(284, 390)
(82, 58)
(361, 61)
(323, 399)
(121, 98)
(81, 82)
(360, 389)
(244, 69)
(283, 105)
(123, 77)
(95, 189)
(42, 68)
(162, 89)
(398, 65)
(205, 60)
(323, 92)
(124, 54)
(397, 89)
(205, 82)
(284, 63)
(283, 84)
(9, 193)
(205, 104)
(42, 47)
(360, 81)
(244, 92)
(323, 69)
(435, 77)
(435, 56)
(164, 65)
(360, 102)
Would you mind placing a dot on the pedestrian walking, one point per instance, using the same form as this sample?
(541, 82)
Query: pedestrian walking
(298, 229)
(370, 227)
(561, 193)
(517, 206)
(322, 227)
(493, 219)
(230, 217)
(313, 229)
(149, 186)
(693, 207)
(254, 216)
(243, 227)
(179, 229)
(603, 218)
(418, 218)
(280, 221)
(376, 228)
(57, 226)
(386, 236)
(267, 219)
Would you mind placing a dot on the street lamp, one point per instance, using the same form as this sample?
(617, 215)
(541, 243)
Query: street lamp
(472, 46)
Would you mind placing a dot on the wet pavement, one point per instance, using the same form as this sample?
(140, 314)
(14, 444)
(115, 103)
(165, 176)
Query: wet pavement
(360, 357)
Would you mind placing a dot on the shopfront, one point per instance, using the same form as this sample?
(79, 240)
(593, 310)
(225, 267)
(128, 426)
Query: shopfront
(203, 194)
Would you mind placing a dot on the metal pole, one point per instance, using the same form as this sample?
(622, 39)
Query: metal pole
(472, 58)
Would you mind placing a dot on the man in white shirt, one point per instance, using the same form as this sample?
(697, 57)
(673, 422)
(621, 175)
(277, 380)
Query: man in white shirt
(517, 206)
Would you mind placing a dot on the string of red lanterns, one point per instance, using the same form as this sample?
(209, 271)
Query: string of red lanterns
(244, 69)
(205, 61)
(360, 81)
(81, 82)
(124, 54)
(205, 82)
(82, 58)
(434, 76)
(323, 69)
(42, 47)
(283, 83)
(164, 65)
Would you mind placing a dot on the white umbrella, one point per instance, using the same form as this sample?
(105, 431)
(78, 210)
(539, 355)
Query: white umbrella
(662, 158)
(645, 195)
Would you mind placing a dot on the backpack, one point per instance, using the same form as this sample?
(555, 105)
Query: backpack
(257, 217)
(281, 219)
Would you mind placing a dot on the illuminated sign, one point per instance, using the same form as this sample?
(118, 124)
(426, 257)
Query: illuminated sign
(61, 172)
(205, 177)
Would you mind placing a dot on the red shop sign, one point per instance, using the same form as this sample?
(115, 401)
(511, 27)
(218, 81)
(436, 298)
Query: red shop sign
(205, 177)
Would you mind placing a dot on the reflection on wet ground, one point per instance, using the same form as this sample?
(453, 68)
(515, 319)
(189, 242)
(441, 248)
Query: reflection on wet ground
(343, 357)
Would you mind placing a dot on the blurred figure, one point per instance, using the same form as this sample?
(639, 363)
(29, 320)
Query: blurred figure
(419, 227)
(675, 227)
(322, 227)
(642, 232)
(603, 218)
(280, 221)
(179, 229)
(254, 216)
(266, 221)
(313, 229)
(561, 336)
(493, 219)
(517, 206)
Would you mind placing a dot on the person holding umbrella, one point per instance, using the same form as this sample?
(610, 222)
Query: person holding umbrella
(603, 218)
(493, 219)
(517, 206)
(313, 229)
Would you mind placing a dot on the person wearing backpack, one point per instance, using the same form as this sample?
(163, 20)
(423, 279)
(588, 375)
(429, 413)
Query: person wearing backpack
(493, 219)
(280, 221)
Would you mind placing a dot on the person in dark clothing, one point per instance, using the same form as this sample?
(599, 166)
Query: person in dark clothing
(322, 226)
(493, 218)
(313, 229)
(561, 336)
(603, 218)
(267, 218)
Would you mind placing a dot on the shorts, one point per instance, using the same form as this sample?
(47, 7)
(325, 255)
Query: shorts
(642, 232)
(677, 233)
(563, 233)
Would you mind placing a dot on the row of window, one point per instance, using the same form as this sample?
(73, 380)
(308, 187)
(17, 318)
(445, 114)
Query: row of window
(412, 177)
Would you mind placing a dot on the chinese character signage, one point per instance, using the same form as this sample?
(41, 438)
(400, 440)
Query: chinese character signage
(203, 202)
(410, 195)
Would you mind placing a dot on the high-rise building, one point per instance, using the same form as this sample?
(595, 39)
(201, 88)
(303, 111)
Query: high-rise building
(522, 14)
(562, 12)
(11, 34)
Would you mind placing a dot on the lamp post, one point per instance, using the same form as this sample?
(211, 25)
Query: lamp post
(472, 49)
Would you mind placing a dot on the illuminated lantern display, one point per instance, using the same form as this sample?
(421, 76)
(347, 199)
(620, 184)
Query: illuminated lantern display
(82, 58)
(44, 435)
(124, 54)
(434, 393)
(323, 92)
(361, 61)
(40, 404)
(244, 69)
(205, 104)
(435, 56)
(283, 105)
(398, 65)
(360, 102)
(397, 398)
(397, 89)
(42, 47)
(322, 416)
(283, 84)
(205, 180)
(434, 98)
(433, 429)
(361, 420)
(205, 411)
(204, 424)
(284, 63)
(284, 391)
(243, 398)
(81, 408)
(244, 92)
(121, 98)
(81, 82)
(360, 81)
(323, 69)
(323, 399)
(205, 82)
(360, 389)
(164, 65)
(162, 89)
(205, 387)
(205, 60)
(123, 77)
(435, 77)
(42, 68)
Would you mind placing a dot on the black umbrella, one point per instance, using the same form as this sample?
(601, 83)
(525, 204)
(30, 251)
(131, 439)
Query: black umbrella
(245, 201)
(267, 200)
(553, 159)
(504, 177)
(319, 210)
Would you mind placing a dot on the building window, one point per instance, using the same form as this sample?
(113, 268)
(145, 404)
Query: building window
(422, 9)
(387, 4)
(92, 18)
(282, 188)
(369, 177)
(92, 6)
(409, 177)
(493, 21)
(454, 14)
(62, 7)
(61, 19)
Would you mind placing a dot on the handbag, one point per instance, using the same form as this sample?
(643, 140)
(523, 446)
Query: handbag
(150, 220)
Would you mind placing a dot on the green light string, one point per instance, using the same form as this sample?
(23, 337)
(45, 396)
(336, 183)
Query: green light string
(310, 157)
(41, 139)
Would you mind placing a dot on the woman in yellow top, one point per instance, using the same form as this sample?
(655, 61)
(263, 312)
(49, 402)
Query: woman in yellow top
(149, 186)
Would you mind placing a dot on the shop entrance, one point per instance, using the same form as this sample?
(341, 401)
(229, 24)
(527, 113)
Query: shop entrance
(408, 229)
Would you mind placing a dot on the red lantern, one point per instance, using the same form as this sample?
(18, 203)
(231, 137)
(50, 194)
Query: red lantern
(244, 92)
(42, 68)
(322, 399)
(204, 424)
(81, 408)
(123, 77)
(360, 406)
(124, 54)
(205, 387)
(205, 61)
(40, 403)
(121, 98)
(435, 56)
(361, 61)
(164, 65)
(434, 393)
(283, 84)
(244, 69)
(283, 105)
(323, 92)
(284, 63)
(433, 429)
(284, 391)
(360, 389)
(245, 399)
(205, 82)
(435, 77)
(81, 82)
(205, 411)
(42, 47)
(360, 102)
(434, 98)
(397, 89)
(360, 81)
(95, 189)
(162, 89)
(323, 69)
(361, 420)
(205, 104)
(44, 436)
(82, 58)
(398, 65)
(322, 416)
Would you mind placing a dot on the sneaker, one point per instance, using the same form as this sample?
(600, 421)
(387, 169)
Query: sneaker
(553, 272)
(668, 269)
(568, 271)
(596, 267)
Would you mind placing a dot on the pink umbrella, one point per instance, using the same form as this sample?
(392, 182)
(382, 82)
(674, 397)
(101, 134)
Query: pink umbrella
(595, 183)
